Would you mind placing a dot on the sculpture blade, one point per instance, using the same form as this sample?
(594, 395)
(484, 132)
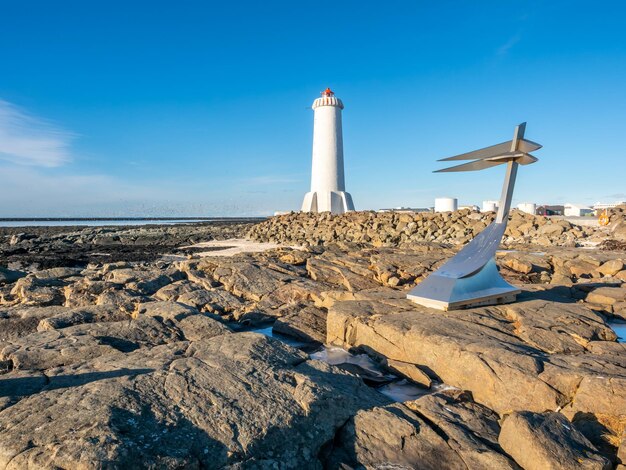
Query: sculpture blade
(527, 159)
(471, 166)
(494, 151)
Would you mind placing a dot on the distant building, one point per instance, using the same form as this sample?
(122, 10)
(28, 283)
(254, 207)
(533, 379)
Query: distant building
(608, 205)
(473, 207)
(528, 207)
(407, 209)
(574, 210)
(550, 210)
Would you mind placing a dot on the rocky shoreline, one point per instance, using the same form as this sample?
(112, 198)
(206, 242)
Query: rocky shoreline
(135, 359)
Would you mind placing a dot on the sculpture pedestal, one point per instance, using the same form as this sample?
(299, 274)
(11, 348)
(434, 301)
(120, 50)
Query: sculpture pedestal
(486, 287)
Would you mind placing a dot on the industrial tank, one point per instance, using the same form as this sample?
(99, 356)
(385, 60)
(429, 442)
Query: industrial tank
(528, 207)
(446, 204)
(490, 206)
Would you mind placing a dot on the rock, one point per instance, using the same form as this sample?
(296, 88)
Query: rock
(170, 311)
(517, 265)
(495, 352)
(410, 371)
(305, 323)
(582, 268)
(237, 401)
(391, 437)
(427, 338)
(84, 292)
(548, 441)
(295, 257)
(200, 327)
(621, 453)
(611, 267)
(217, 301)
(443, 431)
(386, 229)
(470, 429)
(75, 344)
(125, 300)
(57, 273)
(619, 231)
(330, 272)
(172, 292)
(67, 317)
(244, 277)
(8, 276)
(557, 327)
(108, 267)
(21, 321)
(38, 292)
(606, 295)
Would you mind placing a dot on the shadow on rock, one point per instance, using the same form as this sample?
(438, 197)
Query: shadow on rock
(558, 294)
(25, 386)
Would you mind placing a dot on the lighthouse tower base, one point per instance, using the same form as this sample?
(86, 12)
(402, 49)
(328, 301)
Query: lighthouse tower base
(336, 202)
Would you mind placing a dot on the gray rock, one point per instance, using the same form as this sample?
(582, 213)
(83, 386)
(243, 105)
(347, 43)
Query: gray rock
(8, 276)
(391, 437)
(543, 441)
(238, 400)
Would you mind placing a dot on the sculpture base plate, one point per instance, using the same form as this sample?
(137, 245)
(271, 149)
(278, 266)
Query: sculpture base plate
(495, 298)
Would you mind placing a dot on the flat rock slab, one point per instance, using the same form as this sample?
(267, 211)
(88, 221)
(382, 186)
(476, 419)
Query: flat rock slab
(231, 247)
(506, 355)
(240, 400)
(548, 441)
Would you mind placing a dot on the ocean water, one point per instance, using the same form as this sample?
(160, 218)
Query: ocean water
(620, 329)
(396, 389)
(95, 222)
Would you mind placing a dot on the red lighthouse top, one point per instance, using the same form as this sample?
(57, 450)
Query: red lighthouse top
(328, 92)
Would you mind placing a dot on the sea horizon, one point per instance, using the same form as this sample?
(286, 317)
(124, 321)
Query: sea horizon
(14, 222)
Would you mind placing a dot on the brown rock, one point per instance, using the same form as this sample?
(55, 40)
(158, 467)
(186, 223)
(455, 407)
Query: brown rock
(470, 429)
(582, 268)
(464, 348)
(606, 295)
(517, 265)
(548, 441)
(611, 267)
(391, 437)
(410, 371)
(304, 322)
(237, 400)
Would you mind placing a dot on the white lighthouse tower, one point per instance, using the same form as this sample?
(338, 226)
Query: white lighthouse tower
(328, 187)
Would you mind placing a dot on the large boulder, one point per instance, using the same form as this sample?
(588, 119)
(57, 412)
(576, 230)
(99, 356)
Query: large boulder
(238, 401)
(548, 441)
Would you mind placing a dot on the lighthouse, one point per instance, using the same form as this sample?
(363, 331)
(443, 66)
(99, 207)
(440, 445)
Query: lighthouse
(328, 187)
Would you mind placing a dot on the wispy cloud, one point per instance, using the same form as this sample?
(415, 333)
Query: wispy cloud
(267, 180)
(507, 46)
(29, 140)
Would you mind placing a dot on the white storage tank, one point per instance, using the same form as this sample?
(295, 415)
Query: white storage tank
(490, 206)
(446, 204)
(528, 207)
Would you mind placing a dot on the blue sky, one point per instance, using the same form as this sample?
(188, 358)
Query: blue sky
(203, 108)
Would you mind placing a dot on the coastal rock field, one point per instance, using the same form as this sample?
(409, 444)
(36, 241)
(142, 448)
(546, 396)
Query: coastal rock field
(124, 347)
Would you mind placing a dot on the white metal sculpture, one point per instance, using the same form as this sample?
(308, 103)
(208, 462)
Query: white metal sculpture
(328, 187)
(471, 277)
